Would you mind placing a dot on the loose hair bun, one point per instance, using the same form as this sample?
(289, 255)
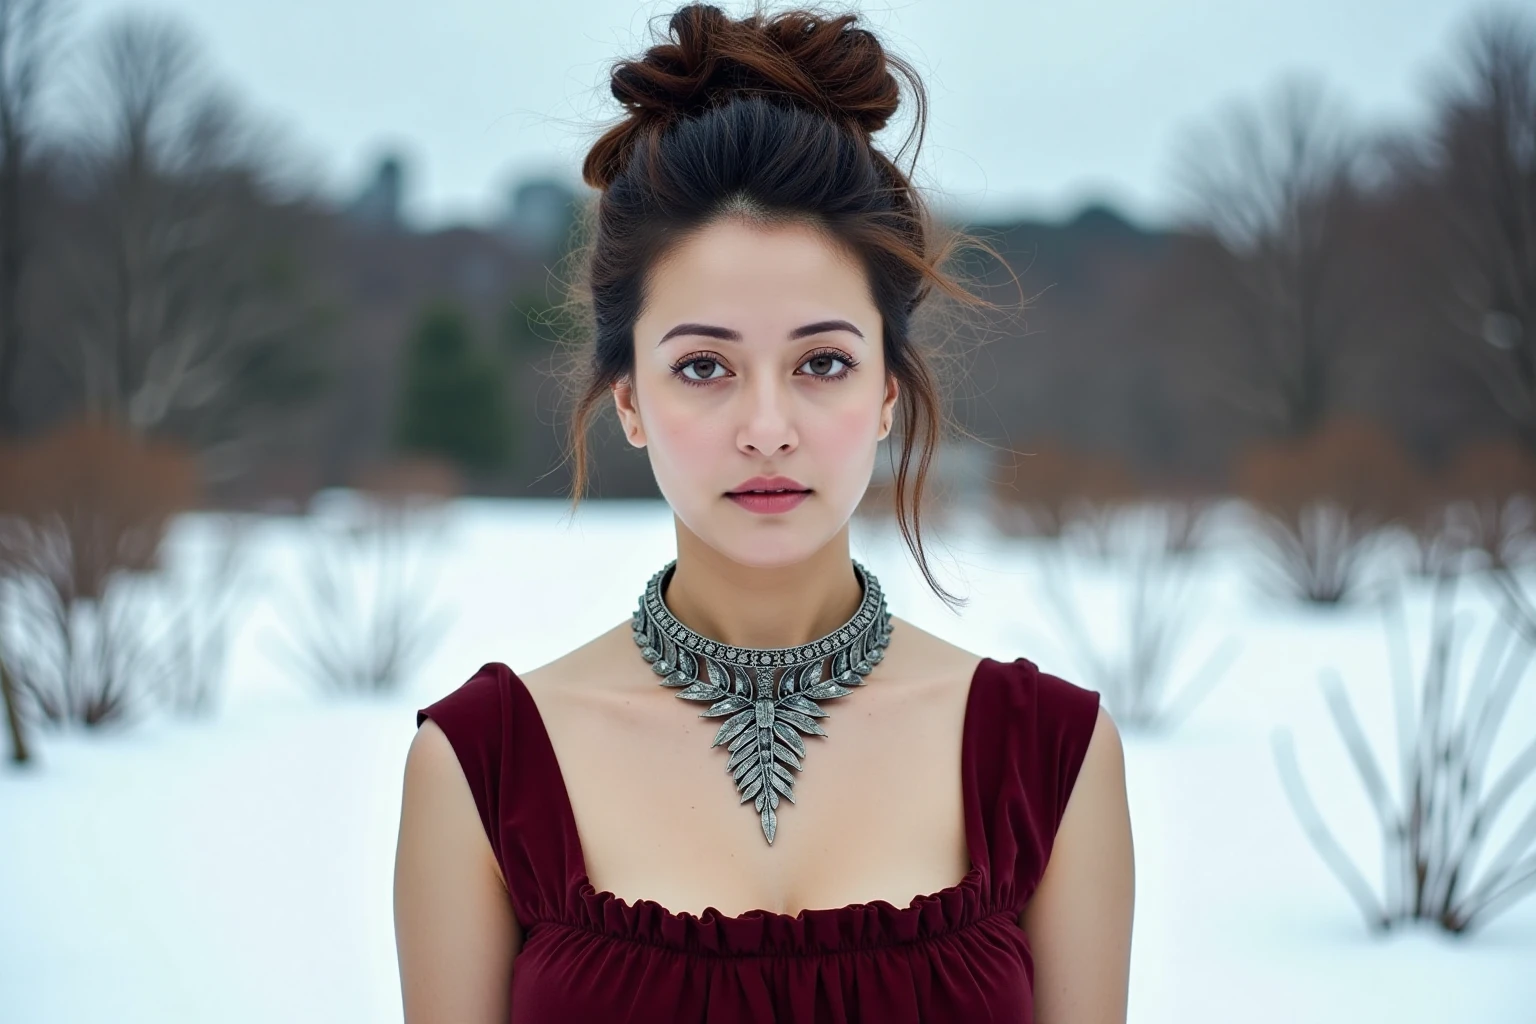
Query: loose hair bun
(822, 62)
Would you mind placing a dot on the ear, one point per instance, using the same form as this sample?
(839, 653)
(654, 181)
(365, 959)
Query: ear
(629, 411)
(888, 407)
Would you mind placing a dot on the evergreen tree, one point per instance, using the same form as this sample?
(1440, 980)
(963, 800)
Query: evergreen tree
(452, 401)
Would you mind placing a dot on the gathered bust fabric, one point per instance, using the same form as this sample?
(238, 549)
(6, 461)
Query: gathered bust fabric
(958, 954)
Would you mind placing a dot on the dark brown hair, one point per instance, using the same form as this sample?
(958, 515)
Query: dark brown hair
(768, 117)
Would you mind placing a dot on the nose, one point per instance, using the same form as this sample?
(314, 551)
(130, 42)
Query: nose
(767, 426)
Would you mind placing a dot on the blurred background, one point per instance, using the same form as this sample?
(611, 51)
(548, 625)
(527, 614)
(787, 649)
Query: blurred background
(280, 462)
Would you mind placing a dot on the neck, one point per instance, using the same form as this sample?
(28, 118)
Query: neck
(751, 606)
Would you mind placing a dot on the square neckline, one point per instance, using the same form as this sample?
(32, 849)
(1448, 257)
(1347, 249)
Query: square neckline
(583, 881)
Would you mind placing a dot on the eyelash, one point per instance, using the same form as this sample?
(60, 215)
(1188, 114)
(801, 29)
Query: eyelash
(703, 357)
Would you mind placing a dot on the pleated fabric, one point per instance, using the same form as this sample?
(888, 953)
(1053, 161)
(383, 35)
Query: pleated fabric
(953, 955)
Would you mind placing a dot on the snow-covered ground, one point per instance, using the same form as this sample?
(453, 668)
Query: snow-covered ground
(238, 869)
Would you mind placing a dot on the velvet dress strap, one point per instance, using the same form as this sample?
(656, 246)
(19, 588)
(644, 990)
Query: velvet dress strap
(1029, 734)
(491, 723)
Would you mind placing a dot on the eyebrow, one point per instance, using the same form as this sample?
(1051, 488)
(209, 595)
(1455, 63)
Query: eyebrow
(726, 334)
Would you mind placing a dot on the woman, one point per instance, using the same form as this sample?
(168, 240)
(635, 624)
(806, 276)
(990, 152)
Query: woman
(856, 820)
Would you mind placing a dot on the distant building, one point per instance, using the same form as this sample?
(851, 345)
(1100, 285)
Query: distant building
(540, 213)
(377, 205)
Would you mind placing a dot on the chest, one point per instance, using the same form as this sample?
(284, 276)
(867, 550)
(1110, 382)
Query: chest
(878, 810)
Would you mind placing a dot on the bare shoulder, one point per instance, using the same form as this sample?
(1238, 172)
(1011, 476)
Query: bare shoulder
(455, 931)
(608, 660)
(1080, 917)
(915, 654)
(1100, 790)
(437, 802)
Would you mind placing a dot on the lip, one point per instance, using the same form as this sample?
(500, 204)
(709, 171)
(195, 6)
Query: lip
(767, 483)
(769, 504)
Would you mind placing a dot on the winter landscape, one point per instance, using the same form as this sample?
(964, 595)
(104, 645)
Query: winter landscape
(305, 343)
(237, 867)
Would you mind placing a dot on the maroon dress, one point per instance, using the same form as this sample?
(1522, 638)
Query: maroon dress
(954, 955)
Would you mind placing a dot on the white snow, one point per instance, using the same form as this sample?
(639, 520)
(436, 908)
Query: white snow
(238, 868)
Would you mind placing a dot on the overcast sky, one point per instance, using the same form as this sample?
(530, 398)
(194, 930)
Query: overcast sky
(1035, 107)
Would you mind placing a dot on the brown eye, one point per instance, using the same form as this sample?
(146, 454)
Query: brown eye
(829, 365)
(693, 364)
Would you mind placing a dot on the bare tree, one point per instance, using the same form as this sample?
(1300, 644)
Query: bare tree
(193, 309)
(27, 36)
(1273, 184)
(1480, 169)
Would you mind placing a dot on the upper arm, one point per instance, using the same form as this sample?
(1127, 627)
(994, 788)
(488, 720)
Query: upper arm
(455, 933)
(1079, 917)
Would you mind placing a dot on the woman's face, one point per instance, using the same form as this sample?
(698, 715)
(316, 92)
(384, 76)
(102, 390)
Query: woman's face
(758, 353)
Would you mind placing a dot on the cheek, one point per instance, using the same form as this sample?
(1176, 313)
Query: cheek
(849, 433)
(680, 435)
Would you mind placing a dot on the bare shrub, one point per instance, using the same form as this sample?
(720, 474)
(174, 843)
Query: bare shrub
(1188, 521)
(1133, 665)
(1491, 493)
(1435, 829)
(1172, 524)
(201, 598)
(1435, 545)
(1323, 504)
(358, 620)
(1052, 493)
(84, 511)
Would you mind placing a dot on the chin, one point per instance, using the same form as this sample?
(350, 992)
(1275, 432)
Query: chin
(766, 544)
(766, 549)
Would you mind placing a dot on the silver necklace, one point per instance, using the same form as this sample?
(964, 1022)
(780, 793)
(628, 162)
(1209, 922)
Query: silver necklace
(768, 693)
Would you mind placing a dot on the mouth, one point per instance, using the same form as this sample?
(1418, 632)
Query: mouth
(773, 490)
(768, 501)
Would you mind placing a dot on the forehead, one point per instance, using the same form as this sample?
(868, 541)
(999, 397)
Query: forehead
(736, 265)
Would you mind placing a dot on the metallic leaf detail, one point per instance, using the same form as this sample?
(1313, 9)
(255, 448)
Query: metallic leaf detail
(717, 675)
(811, 676)
(799, 702)
(826, 691)
(805, 723)
(733, 726)
(790, 737)
(702, 691)
(766, 698)
(725, 706)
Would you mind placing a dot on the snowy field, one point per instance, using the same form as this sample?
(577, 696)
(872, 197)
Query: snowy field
(238, 869)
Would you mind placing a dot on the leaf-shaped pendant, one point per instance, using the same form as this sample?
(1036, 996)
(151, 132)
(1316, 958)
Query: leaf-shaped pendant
(761, 737)
(762, 723)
